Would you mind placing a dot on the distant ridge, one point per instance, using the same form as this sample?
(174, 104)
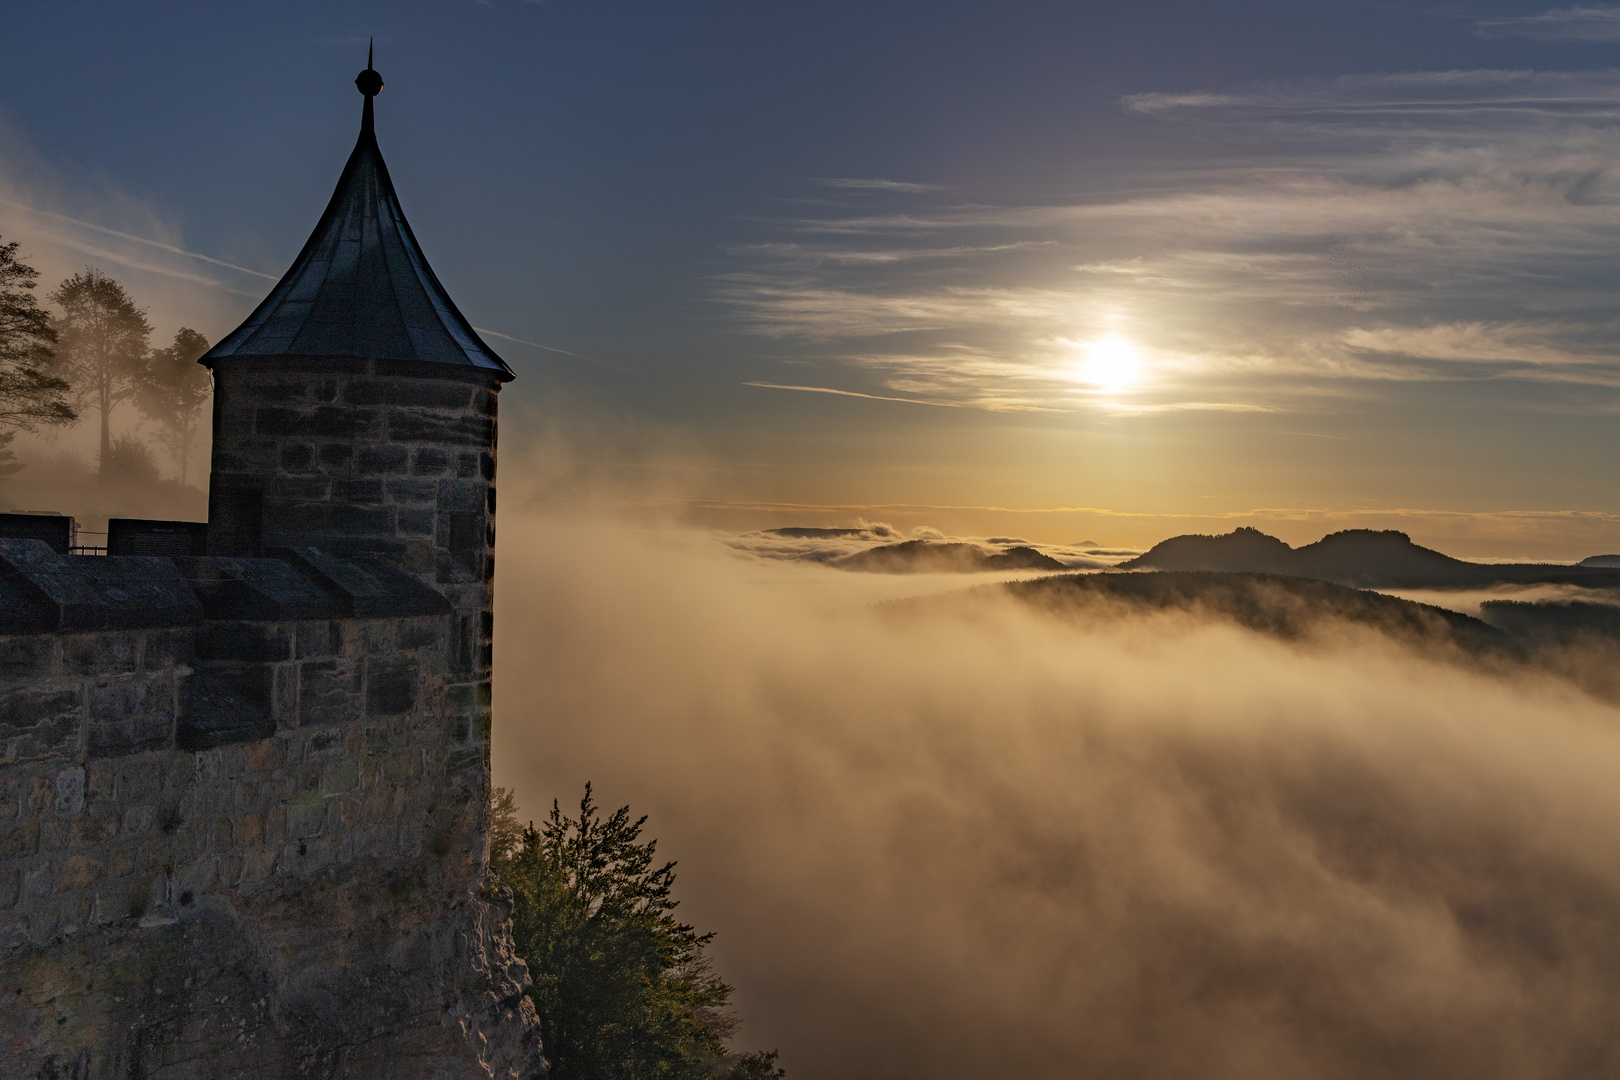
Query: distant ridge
(1364, 558)
(925, 556)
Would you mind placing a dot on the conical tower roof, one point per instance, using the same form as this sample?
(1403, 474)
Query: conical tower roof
(361, 287)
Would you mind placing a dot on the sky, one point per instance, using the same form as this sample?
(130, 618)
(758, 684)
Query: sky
(1064, 271)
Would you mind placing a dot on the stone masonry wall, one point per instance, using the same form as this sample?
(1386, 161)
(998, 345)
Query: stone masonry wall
(245, 847)
(388, 458)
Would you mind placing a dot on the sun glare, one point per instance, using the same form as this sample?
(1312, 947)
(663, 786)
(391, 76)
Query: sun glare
(1111, 364)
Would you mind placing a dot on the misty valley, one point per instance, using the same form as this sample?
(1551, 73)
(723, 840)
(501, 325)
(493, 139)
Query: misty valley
(1180, 822)
(1037, 541)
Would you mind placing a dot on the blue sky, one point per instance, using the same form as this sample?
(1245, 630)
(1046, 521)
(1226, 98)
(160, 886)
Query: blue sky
(1115, 269)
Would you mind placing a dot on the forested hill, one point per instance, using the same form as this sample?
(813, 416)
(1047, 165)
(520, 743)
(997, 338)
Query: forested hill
(1364, 558)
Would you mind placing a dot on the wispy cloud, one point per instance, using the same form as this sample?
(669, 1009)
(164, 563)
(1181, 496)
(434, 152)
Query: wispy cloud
(850, 393)
(879, 184)
(1595, 23)
(1396, 228)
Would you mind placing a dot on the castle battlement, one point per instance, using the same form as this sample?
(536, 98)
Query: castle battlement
(243, 792)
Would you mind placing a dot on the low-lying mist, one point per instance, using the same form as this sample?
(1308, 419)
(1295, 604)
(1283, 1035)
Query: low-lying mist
(979, 839)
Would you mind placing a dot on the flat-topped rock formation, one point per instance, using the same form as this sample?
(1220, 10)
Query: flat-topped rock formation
(1361, 557)
(932, 557)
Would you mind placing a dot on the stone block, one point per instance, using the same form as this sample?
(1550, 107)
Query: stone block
(420, 393)
(266, 755)
(10, 887)
(196, 877)
(322, 422)
(227, 702)
(298, 457)
(244, 641)
(386, 459)
(40, 723)
(249, 829)
(419, 633)
(95, 828)
(391, 686)
(100, 654)
(429, 461)
(37, 881)
(280, 391)
(329, 691)
(467, 496)
(470, 431)
(258, 865)
(78, 872)
(138, 780)
(275, 825)
(306, 817)
(69, 783)
(130, 714)
(360, 492)
(417, 521)
(121, 861)
(336, 455)
(325, 743)
(139, 820)
(284, 696)
(27, 656)
(371, 637)
(19, 840)
(221, 835)
(413, 492)
(307, 521)
(340, 776)
(299, 489)
(319, 637)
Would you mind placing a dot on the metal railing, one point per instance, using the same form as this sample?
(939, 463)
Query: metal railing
(77, 548)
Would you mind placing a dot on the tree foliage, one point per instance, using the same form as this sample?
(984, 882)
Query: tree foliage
(31, 393)
(102, 346)
(624, 989)
(174, 393)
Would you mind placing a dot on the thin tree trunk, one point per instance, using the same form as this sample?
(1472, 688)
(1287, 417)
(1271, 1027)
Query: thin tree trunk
(106, 440)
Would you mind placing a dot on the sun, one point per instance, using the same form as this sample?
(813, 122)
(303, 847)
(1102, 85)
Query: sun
(1111, 363)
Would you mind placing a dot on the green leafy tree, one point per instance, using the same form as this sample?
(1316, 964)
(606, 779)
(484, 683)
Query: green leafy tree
(624, 989)
(102, 346)
(31, 395)
(174, 393)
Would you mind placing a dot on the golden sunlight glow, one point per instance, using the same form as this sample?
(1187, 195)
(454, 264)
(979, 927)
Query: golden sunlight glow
(1111, 363)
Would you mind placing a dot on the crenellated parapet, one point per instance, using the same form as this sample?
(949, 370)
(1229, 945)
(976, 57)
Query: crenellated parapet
(244, 778)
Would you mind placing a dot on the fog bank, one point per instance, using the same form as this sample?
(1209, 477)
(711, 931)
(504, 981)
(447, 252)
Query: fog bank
(975, 839)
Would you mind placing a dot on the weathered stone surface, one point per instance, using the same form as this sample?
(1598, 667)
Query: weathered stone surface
(242, 797)
(309, 902)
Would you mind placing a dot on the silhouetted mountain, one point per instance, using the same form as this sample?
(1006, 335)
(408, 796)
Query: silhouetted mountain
(1246, 550)
(1275, 604)
(930, 557)
(815, 534)
(1361, 557)
(1605, 561)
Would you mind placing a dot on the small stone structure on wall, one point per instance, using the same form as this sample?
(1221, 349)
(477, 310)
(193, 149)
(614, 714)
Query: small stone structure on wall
(243, 793)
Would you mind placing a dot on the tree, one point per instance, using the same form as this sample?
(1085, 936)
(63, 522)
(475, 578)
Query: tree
(174, 393)
(103, 351)
(30, 394)
(624, 990)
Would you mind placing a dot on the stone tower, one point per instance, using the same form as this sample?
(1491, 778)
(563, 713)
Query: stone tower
(354, 410)
(243, 790)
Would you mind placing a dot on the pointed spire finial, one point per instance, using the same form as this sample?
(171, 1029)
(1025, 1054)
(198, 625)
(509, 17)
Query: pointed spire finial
(368, 81)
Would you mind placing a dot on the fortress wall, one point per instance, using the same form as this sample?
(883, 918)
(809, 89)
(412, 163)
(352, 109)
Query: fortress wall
(392, 458)
(245, 846)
